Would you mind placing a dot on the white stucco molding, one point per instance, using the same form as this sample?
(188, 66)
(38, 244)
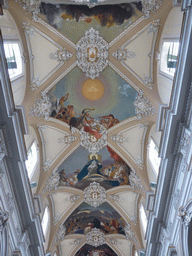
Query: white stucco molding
(185, 214)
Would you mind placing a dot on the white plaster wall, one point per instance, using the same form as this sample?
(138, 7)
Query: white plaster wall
(61, 203)
(10, 32)
(171, 30)
(41, 48)
(51, 146)
(133, 146)
(128, 202)
(67, 246)
(142, 47)
(124, 246)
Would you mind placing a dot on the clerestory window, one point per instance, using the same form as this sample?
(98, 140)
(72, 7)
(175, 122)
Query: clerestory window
(13, 57)
(143, 218)
(169, 55)
(31, 160)
(45, 220)
(153, 156)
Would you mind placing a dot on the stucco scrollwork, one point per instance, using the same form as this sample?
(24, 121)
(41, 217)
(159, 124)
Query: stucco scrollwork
(148, 81)
(4, 216)
(123, 54)
(41, 108)
(67, 139)
(119, 138)
(135, 181)
(150, 6)
(185, 140)
(115, 198)
(95, 237)
(114, 241)
(143, 106)
(76, 241)
(185, 215)
(47, 164)
(29, 30)
(94, 194)
(73, 198)
(130, 234)
(92, 53)
(154, 26)
(52, 182)
(35, 83)
(61, 55)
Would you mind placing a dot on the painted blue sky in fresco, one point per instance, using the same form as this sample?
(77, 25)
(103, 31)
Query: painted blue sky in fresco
(118, 97)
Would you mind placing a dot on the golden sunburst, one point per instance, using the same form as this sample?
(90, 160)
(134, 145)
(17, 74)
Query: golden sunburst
(92, 89)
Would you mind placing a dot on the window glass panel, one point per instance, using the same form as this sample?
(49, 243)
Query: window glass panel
(14, 60)
(153, 156)
(143, 218)
(32, 159)
(45, 220)
(169, 57)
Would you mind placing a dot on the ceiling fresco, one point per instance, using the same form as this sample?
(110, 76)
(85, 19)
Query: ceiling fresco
(103, 250)
(73, 20)
(86, 217)
(109, 94)
(93, 125)
(107, 168)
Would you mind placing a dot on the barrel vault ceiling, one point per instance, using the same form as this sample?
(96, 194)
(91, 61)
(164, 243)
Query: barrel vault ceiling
(95, 74)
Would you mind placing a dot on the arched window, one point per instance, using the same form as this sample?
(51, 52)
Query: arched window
(153, 156)
(169, 55)
(14, 60)
(31, 160)
(136, 253)
(143, 218)
(45, 220)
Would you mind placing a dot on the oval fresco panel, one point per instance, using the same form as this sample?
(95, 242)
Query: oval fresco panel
(74, 20)
(87, 217)
(107, 168)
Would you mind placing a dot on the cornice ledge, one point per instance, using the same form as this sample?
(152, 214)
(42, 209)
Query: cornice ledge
(180, 83)
(186, 5)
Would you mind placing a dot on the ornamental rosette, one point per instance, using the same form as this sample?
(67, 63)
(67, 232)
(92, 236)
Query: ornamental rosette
(95, 237)
(92, 53)
(94, 194)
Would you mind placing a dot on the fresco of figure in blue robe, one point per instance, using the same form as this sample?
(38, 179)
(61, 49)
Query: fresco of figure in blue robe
(107, 168)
